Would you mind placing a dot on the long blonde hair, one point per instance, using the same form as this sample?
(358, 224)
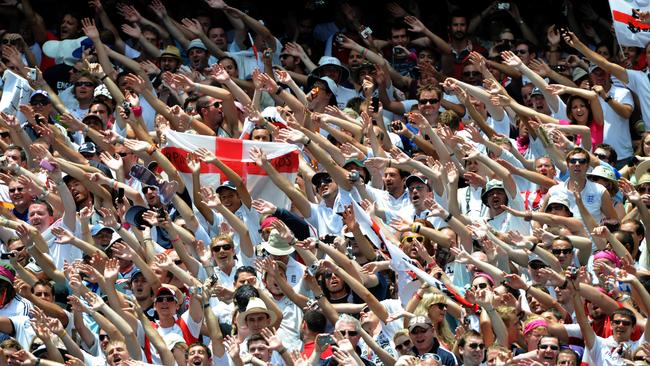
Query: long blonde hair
(443, 331)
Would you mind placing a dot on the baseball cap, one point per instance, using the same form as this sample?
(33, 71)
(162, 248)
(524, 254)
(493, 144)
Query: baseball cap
(419, 321)
(226, 185)
(196, 43)
(88, 148)
(40, 92)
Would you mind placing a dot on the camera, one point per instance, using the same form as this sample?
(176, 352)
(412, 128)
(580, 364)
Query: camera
(396, 126)
(127, 108)
(366, 32)
(339, 39)
(573, 272)
(8, 255)
(503, 6)
(353, 176)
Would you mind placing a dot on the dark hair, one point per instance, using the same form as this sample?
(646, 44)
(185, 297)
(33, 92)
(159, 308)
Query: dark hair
(45, 283)
(531, 47)
(578, 150)
(246, 269)
(242, 295)
(49, 208)
(590, 115)
(23, 154)
(468, 334)
(624, 312)
(190, 99)
(562, 238)
(198, 344)
(613, 157)
(256, 338)
(640, 230)
(231, 59)
(316, 321)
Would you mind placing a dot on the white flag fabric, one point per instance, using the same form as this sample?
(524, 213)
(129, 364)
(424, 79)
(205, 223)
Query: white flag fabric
(236, 155)
(15, 91)
(629, 30)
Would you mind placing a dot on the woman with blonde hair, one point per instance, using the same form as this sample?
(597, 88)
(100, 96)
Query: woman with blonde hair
(434, 305)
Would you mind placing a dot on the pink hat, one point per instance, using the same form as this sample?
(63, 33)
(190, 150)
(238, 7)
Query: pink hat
(266, 223)
(610, 256)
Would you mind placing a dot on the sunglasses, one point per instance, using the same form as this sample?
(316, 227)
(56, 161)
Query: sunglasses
(218, 248)
(471, 73)
(167, 298)
(9, 41)
(564, 251)
(537, 265)
(326, 180)
(84, 83)
(365, 309)
(349, 333)
(481, 286)
(4, 134)
(405, 345)
(625, 323)
(419, 330)
(602, 157)
(123, 154)
(480, 346)
(409, 239)
(559, 68)
(556, 206)
(40, 103)
(441, 305)
(17, 189)
(580, 161)
(521, 52)
(103, 337)
(553, 347)
(643, 189)
(428, 101)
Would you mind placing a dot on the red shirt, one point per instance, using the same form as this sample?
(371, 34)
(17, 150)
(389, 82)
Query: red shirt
(308, 349)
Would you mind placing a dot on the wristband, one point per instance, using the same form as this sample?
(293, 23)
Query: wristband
(448, 217)
(150, 150)
(206, 305)
(608, 99)
(308, 142)
(318, 297)
(103, 78)
(43, 194)
(282, 350)
(137, 111)
(532, 249)
(279, 90)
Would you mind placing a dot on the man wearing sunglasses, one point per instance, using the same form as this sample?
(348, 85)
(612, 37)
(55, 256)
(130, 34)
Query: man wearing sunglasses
(423, 336)
(471, 348)
(594, 196)
(350, 329)
(546, 353)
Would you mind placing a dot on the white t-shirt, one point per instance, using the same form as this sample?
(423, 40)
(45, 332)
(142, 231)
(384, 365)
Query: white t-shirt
(24, 332)
(469, 201)
(61, 253)
(617, 129)
(640, 84)
(604, 352)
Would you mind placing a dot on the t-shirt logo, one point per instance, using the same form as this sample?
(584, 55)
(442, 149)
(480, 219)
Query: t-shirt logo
(590, 198)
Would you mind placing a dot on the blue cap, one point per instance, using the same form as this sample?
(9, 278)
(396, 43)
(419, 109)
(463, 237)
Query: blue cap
(196, 43)
(99, 227)
(40, 92)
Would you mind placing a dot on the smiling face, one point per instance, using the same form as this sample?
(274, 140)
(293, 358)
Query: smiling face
(547, 350)
(19, 196)
(622, 327)
(422, 338)
(563, 251)
(223, 253)
(84, 88)
(39, 216)
(437, 312)
(579, 112)
(473, 351)
(230, 199)
(198, 58)
(497, 197)
(165, 305)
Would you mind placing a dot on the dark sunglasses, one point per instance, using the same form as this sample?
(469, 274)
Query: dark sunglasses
(564, 251)
(625, 323)
(428, 101)
(103, 337)
(471, 73)
(537, 265)
(643, 189)
(123, 154)
(326, 180)
(349, 333)
(84, 83)
(602, 157)
(481, 286)
(480, 346)
(167, 298)
(521, 52)
(4, 134)
(560, 68)
(218, 248)
(9, 41)
(17, 189)
(405, 345)
(556, 206)
(581, 161)
(365, 309)
(419, 330)
(441, 306)
(41, 102)
(551, 346)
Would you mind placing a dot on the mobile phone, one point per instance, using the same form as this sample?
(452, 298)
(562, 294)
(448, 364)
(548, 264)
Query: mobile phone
(312, 269)
(31, 74)
(339, 39)
(329, 239)
(45, 164)
(375, 104)
(398, 51)
(127, 108)
(366, 32)
(503, 6)
(325, 340)
(7, 255)
(353, 176)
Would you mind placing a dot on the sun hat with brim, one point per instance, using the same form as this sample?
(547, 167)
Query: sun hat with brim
(490, 186)
(172, 52)
(642, 169)
(134, 216)
(420, 321)
(645, 178)
(7, 273)
(226, 185)
(276, 245)
(558, 199)
(255, 306)
(326, 61)
(603, 172)
(318, 177)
